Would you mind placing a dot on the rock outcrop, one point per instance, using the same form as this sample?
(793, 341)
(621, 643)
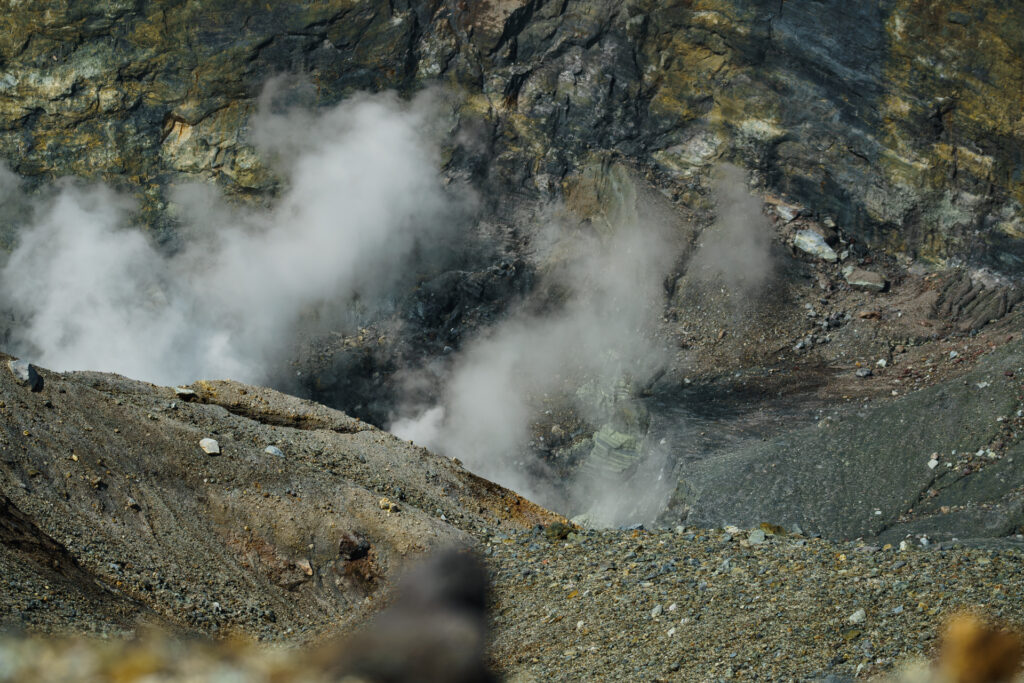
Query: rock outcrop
(899, 120)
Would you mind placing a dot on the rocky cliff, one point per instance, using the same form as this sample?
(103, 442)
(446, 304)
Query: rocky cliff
(898, 119)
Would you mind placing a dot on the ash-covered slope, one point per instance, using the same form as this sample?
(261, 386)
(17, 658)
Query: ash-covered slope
(943, 462)
(111, 512)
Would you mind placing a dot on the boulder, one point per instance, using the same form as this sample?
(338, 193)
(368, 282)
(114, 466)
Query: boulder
(810, 242)
(858, 278)
(25, 374)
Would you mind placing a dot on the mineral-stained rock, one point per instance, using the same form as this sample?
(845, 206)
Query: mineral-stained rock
(898, 120)
(810, 242)
(614, 454)
(238, 530)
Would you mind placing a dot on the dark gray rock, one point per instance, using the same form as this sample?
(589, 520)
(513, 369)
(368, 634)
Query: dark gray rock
(25, 374)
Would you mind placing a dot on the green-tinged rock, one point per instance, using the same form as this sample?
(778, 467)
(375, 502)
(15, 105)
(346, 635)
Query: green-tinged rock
(810, 242)
(614, 455)
(557, 531)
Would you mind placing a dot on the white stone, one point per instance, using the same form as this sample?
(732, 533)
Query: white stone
(184, 393)
(210, 446)
(787, 212)
(814, 244)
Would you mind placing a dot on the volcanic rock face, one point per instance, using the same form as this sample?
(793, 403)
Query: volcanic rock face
(900, 120)
(810, 366)
(891, 124)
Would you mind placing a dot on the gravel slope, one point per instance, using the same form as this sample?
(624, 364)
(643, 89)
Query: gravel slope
(688, 605)
(112, 515)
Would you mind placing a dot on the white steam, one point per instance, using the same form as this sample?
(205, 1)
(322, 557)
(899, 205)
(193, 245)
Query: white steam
(598, 333)
(598, 346)
(735, 250)
(361, 186)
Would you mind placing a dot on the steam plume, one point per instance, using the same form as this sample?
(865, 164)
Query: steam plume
(735, 249)
(598, 345)
(597, 334)
(361, 186)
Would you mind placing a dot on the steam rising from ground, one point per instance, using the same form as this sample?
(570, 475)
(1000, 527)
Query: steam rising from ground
(361, 190)
(735, 250)
(598, 334)
(362, 185)
(600, 343)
